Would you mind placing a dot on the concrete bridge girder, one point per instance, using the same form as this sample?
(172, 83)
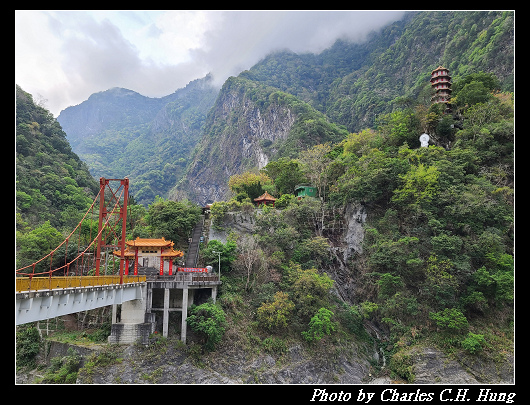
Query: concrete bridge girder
(45, 304)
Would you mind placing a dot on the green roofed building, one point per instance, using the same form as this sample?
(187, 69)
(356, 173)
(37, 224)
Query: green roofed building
(305, 191)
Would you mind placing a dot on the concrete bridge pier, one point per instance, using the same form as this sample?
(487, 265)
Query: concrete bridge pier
(133, 325)
(184, 325)
(162, 296)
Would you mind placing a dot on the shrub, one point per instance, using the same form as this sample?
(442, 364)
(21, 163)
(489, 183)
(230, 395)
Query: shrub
(402, 365)
(310, 290)
(473, 343)
(274, 315)
(388, 284)
(27, 346)
(368, 308)
(63, 370)
(274, 345)
(208, 321)
(450, 319)
(320, 325)
(352, 319)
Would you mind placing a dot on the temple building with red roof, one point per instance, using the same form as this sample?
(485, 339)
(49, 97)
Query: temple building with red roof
(158, 253)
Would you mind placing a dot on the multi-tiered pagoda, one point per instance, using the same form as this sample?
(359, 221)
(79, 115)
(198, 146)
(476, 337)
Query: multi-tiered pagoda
(441, 82)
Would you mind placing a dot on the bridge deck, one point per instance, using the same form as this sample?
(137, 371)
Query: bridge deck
(50, 283)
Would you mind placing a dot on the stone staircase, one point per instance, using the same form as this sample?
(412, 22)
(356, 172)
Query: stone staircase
(193, 249)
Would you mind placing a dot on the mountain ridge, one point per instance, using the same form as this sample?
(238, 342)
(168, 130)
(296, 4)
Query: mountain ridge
(121, 133)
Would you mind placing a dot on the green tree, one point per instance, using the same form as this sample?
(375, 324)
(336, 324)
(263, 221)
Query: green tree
(33, 245)
(496, 279)
(27, 346)
(274, 315)
(472, 93)
(228, 254)
(488, 80)
(311, 252)
(388, 284)
(209, 322)
(173, 220)
(420, 185)
(310, 290)
(400, 127)
(249, 183)
(286, 175)
(315, 163)
(320, 325)
(473, 343)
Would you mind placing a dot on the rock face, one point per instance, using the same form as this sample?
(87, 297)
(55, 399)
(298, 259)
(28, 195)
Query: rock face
(172, 364)
(346, 247)
(433, 367)
(236, 138)
(249, 125)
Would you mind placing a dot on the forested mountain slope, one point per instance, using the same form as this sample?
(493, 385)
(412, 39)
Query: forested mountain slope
(351, 83)
(464, 42)
(52, 183)
(249, 125)
(120, 133)
(413, 245)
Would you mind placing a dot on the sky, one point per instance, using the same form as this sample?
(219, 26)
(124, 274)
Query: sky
(62, 57)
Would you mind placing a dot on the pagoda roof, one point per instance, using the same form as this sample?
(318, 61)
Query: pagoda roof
(265, 197)
(145, 242)
(439, 68)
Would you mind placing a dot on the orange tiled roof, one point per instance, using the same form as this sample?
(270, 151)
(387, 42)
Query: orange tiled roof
(127, 253)
(439, 68)
(172, 253)
(265, 197)
(130, 253)
(149, 242)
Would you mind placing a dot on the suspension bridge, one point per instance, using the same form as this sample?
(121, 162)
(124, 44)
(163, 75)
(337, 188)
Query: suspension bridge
(74, 277)
(68, 279)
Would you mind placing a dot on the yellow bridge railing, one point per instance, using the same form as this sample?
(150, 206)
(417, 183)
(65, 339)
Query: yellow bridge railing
(47, 283)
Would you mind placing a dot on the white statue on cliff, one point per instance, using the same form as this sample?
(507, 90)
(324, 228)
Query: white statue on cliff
(424, 139)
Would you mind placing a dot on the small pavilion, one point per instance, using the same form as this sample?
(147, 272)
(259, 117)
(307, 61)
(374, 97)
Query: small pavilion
(265, 199)
(152, 251)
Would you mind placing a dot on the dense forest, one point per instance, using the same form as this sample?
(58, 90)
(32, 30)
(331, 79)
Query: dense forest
(162, 144)
(53, 184)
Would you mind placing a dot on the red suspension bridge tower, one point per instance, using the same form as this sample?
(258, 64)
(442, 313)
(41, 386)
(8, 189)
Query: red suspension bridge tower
(112, 223)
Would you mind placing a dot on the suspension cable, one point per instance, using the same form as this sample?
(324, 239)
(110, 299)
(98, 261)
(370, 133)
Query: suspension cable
(80, 254)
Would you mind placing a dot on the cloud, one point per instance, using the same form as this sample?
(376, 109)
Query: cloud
(242, 38)
(68, 55)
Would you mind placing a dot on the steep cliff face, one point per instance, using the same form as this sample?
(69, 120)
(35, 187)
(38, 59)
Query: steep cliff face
(249, 125)
(345, 248)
